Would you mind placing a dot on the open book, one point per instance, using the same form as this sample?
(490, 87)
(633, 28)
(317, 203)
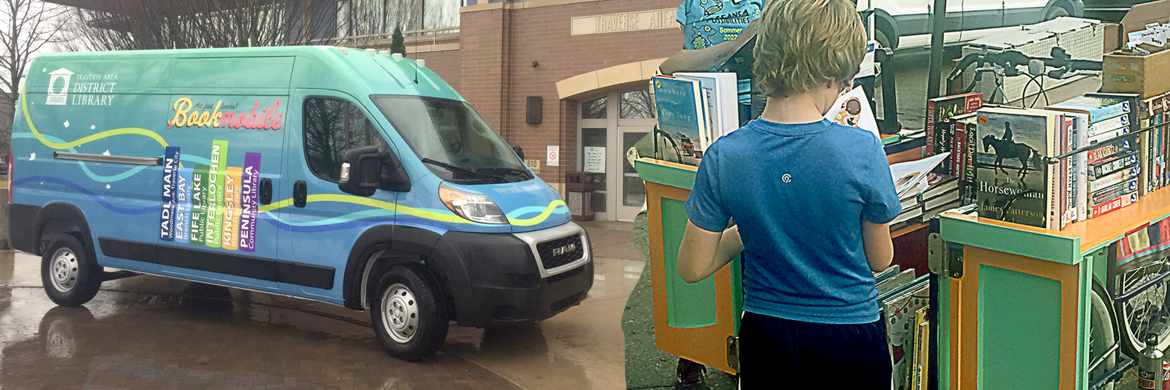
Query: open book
(908, 174)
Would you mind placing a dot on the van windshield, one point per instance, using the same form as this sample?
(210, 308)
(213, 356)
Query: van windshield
(452, 139)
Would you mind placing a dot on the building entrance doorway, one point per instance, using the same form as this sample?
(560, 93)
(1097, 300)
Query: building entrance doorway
(611, 123)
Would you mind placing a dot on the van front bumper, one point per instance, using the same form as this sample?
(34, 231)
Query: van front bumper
(508, 281)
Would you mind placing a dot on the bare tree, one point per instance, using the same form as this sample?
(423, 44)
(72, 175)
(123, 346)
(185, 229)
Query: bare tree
(32, 25)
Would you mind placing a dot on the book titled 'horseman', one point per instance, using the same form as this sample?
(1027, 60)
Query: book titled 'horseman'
(1013, 183)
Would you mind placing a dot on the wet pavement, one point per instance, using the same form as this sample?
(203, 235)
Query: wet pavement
(149, 332)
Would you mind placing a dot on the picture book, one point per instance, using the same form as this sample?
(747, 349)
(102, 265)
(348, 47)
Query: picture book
(908, 174)
(898, 310)
(682, 113)
(720, 90)
(941, 109)
(852, 109)
(922, 359)
(1014, 183)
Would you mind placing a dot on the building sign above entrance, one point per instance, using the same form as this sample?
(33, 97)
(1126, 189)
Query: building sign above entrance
(626, 21)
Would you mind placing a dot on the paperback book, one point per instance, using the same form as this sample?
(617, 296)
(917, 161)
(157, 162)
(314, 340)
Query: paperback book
(943, 108)
(682, 114)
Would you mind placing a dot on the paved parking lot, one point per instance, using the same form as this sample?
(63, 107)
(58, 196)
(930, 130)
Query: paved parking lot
(148, 332)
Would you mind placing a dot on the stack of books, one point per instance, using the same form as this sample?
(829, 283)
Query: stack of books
(934, 194)
(905, 302)
(1115, 163)
(694, 110)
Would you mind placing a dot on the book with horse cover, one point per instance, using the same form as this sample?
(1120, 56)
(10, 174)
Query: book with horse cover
(1014, 184)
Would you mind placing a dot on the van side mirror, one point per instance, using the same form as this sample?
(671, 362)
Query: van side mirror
(361, 171)
(519, 151)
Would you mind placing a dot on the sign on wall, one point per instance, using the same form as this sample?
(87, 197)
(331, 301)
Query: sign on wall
(534, 165)
(625, 21)
(594, 159)
(553, 157)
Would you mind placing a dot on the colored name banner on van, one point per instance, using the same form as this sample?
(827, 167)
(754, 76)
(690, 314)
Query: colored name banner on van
(199, 204)
(231, 209)
(183, 201)
(230, 115)
(249, 201)
(169, 187)
(215, 191)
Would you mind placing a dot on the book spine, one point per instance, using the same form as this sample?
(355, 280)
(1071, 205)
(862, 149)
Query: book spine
(967, 182)
(1108, 135)
(1070, 172)
(1062, 170)
(1108, 194)
(959, 152)
(1113, 179)
(1113, 205)
(1114, 165)
(1055, 140)
(1144, 158)
(1104, 113)
(931, 137)
(1109, 149)
(1109, 124)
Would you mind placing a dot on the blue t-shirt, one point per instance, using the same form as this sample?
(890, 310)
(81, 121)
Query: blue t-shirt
(798, 193)
(707, 23)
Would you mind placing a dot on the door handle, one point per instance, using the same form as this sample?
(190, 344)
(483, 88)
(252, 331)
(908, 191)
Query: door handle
(265, 191)
(300, 193)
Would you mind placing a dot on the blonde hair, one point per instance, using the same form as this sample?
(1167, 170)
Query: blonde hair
(802, 44)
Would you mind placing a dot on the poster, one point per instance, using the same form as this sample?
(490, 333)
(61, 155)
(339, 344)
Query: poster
(553, 158)
(594, 159)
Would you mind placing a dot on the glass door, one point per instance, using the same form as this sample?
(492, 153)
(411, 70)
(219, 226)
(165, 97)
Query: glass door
(631, 188)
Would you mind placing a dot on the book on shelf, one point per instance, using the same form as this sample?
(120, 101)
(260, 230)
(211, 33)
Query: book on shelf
(720, 89)
(942, 108)
(890, 271)
(893, 282)
(1099, 108)
(1014, 183)
(682, 113)
(922, 358)
(898, 308)
(852, 110)
(1145, 140)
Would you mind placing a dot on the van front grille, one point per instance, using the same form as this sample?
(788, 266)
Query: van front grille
(557, 253)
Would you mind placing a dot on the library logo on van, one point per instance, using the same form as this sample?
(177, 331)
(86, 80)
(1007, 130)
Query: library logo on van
(88, 89)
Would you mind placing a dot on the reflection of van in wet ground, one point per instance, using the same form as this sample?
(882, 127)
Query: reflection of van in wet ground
(346, 176)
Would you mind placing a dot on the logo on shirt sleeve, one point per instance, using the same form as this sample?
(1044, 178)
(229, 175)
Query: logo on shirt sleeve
(786, 178)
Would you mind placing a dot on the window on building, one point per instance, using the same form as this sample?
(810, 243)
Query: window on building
(637, 104)
(594, 109)
(333, 126)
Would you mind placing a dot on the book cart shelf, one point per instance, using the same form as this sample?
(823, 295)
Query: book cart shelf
(699, 321)
(1013, 300)
(1017, 314)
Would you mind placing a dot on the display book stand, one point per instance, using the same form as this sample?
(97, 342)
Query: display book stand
(699, 321)
(1013, 301)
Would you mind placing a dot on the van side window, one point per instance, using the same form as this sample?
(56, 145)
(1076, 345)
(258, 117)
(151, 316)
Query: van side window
(333, 126)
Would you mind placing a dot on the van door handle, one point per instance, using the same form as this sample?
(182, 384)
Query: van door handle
(265, 191)
(300, 193)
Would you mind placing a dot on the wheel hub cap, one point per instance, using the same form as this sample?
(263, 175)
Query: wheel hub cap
(399, 313)
(63, 271)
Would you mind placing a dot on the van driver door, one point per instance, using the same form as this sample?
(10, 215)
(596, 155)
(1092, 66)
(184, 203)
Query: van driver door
(323, 223)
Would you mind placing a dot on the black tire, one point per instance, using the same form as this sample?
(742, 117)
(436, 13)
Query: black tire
(415, 328)
(883, 39)
(75, 278)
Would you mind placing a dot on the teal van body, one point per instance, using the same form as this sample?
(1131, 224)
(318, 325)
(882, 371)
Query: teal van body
(231, 167)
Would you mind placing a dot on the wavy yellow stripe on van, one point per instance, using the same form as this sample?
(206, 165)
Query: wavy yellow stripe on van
(539, 218)
(407, 210)
(88, 138)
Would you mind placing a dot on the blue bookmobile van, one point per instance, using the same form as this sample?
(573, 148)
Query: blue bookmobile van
(346, 176)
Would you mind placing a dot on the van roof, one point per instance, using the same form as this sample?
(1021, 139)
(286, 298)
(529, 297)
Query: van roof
(258, 70)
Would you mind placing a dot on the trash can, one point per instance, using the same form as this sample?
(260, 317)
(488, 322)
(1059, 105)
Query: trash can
(580, 187)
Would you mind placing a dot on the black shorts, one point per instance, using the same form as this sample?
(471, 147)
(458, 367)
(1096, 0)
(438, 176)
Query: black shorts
(776, 353)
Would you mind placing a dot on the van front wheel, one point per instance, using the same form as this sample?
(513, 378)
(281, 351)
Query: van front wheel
(69, 277)
(407, 314)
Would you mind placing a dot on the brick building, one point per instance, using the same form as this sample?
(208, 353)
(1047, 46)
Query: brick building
(589, 62)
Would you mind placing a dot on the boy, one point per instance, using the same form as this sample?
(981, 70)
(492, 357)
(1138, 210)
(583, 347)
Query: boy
(811, 201)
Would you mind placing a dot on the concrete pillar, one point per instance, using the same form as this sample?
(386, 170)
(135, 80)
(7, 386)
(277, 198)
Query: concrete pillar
(5, 243)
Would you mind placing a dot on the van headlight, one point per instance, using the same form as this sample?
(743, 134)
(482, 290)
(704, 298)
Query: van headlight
(473, 206)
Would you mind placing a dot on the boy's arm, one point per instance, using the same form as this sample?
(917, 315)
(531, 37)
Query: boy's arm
(703, 252)
(879, 247)
(703, 60)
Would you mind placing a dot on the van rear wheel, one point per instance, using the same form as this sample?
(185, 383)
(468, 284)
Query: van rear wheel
(70, 278)
(407, 314)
